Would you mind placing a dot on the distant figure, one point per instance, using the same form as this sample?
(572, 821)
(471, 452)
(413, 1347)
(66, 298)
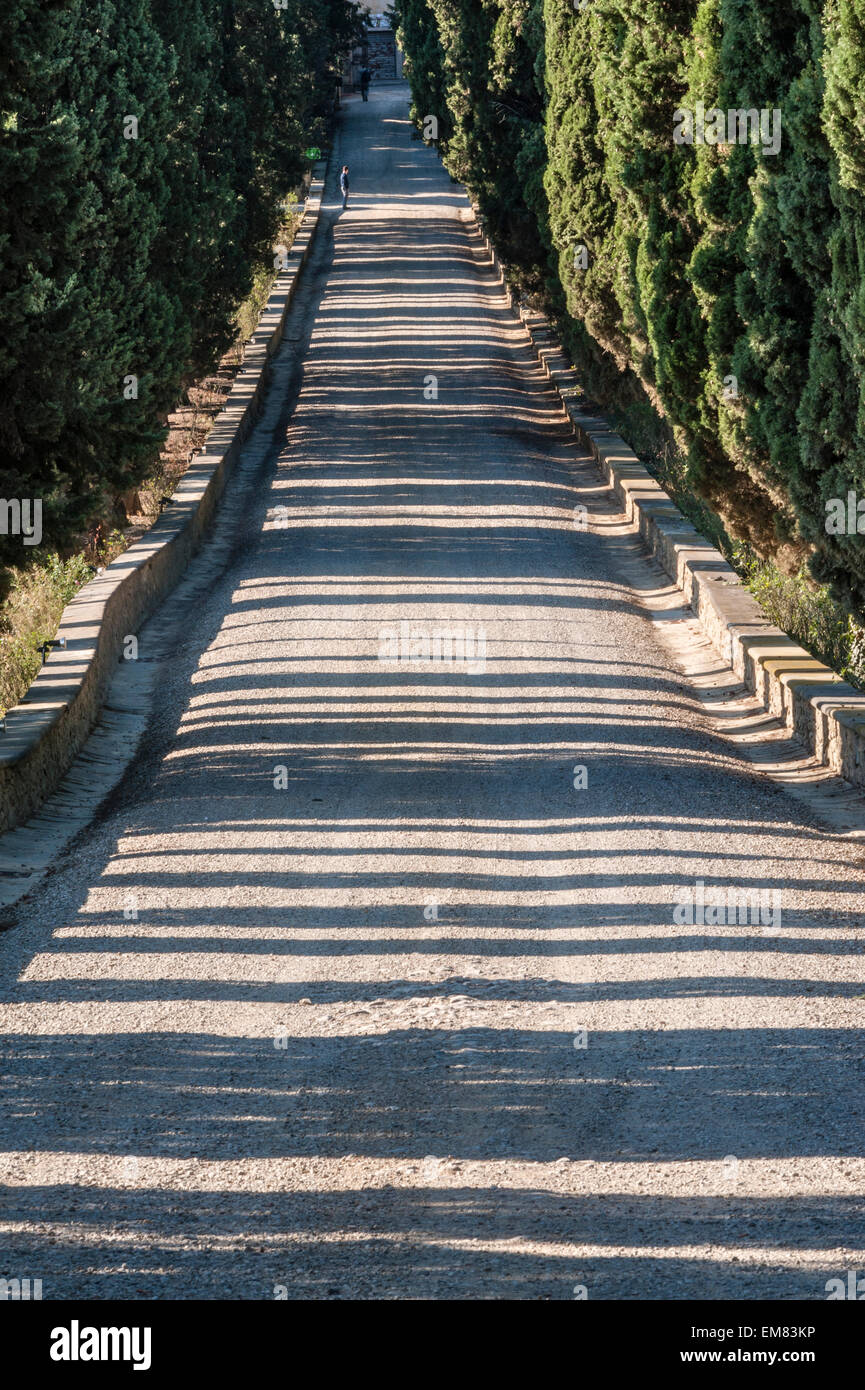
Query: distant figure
(364, 83)
(343, 185)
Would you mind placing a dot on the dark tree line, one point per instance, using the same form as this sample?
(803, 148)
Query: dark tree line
(722, 283)
(145, 146)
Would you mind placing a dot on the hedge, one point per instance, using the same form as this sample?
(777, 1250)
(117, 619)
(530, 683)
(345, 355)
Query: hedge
(719, 280)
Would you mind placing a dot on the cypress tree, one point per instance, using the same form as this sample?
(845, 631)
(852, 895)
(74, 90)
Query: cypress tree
(83, 314)
(832, 415)
(144, 149)
(582, 207)
(425, 65)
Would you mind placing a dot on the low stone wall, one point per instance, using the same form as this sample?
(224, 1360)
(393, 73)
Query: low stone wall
(810, 699)
(48, 728)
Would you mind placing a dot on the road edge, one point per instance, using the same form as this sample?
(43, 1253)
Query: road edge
(46, 731)
(811, 700)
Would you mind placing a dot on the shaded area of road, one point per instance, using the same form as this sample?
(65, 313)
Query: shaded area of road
(360, 986)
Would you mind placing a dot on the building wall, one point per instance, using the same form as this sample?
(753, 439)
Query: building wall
(382, 55)
(384, 59)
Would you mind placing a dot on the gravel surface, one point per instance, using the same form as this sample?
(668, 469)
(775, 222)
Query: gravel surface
(350, 991)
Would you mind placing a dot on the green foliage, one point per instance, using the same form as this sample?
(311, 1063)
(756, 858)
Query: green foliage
(721, 285)
(418, 33)
(832, 457)
(477, 68)
(33, 600)
(125, 250)
(80, 212)
(807, 612)
(581, 207)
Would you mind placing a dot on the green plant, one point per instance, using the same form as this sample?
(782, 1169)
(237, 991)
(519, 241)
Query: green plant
(719, 282)
(143, 150)
(807, 612)
(34, 600)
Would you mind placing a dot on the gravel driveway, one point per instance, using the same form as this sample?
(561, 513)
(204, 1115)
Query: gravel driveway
(377, 976)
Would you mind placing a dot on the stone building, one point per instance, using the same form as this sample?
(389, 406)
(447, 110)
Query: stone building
(378, 52)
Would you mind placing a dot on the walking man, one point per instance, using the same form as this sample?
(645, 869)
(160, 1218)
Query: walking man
(364, 83)
(343, 185)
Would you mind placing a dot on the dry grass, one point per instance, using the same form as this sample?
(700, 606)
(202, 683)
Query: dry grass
(34, 600)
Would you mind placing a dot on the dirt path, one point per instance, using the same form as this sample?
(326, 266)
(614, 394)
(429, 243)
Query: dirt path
(351, 991)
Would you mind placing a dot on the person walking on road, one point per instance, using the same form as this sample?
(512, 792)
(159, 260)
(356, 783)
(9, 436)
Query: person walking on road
(364, 83)
(343, 185)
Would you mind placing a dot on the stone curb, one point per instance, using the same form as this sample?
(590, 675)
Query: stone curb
(812, 701)
(49, 727)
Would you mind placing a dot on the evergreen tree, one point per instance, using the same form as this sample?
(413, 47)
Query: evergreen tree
(145, 148)
(832, 414)
(81, 206)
